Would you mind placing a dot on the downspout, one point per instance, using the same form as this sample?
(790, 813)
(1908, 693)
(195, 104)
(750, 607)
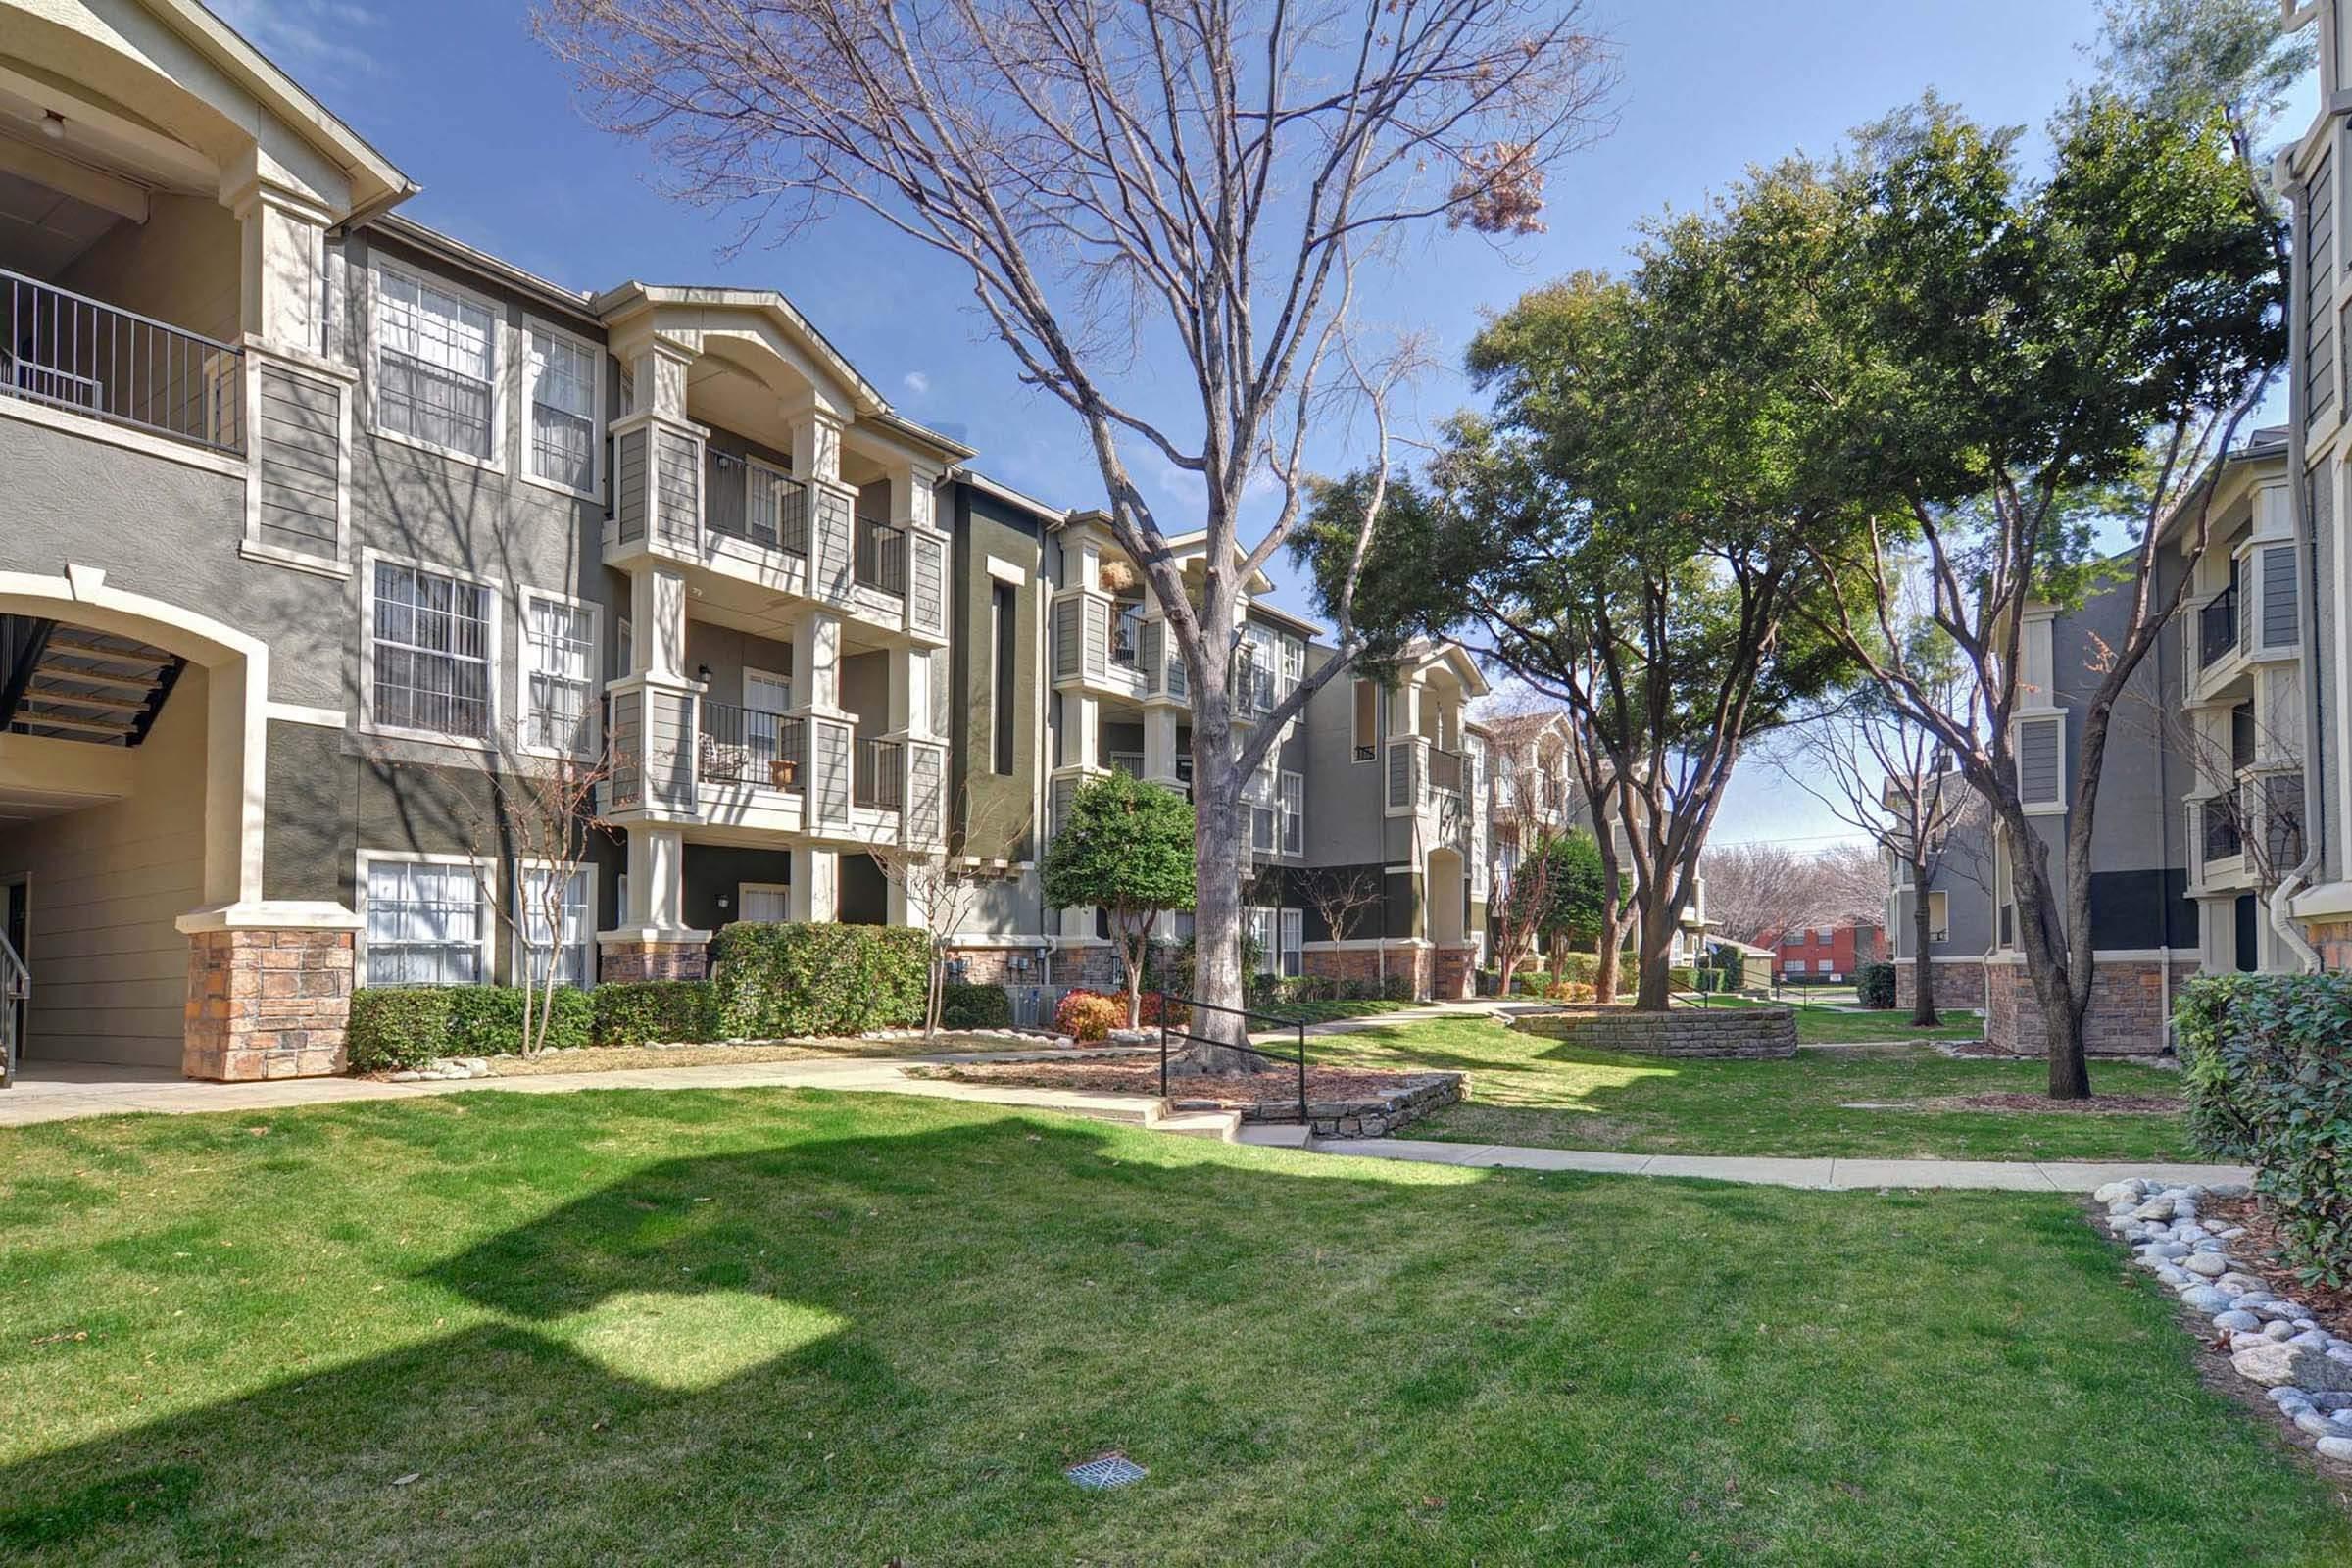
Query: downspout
(2298, 480)
(2164, 843)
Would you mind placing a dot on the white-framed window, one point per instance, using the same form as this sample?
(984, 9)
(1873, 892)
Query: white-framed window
(766, 902)
(1294, 665)
(429, 648)
(1294, 813)
(1939, 917)
(1266, 935)
(624, 647)
(435, 380)
(563, 388)
(569, 937)
(1293, 942)
(425, 919)
(559, 675)
(1825, 966)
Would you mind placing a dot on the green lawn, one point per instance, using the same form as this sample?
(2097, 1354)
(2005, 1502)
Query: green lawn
(625, 1326)
(1527, 1090)
(1830, 1026)
(1330, 1012)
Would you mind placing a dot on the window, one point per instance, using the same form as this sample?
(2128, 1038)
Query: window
(559, 675)
(1265, 936)
(568, 937)
(436, 365)
(1294, 665)
(1294, 813)
(563, 396)
(1939, 917)
(1367, 720)
(1263, 829)
(1825, 966)
(1292, 942)
(768, 902)
(1002, 689)
(2042, 763)
(625, 648)
(431, 651)
(424, 924)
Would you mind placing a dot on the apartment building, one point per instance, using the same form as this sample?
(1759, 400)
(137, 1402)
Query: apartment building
(325, 534)
(1831, 952)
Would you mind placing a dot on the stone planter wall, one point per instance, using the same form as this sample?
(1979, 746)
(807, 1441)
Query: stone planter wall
(1374, 1116)
(1957, 984)
(1742, 1033)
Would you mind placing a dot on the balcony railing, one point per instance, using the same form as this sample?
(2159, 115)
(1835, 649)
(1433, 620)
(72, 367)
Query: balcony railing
(752, 746)
(1126, 635)
(880, 781)
(750, 501)
(74, 352)
(2222, 839)
(880, 559)
(2216, 628)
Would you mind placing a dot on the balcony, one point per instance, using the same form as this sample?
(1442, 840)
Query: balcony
(69, 351)
(757, 504)
(880, 778)
(752, 746)
(2216, 628)
(2220, 834)
(1445, 770)
(881, 558)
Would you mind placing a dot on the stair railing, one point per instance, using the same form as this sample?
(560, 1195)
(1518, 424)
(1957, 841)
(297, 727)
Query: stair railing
(16, 988)
(1169, 1034)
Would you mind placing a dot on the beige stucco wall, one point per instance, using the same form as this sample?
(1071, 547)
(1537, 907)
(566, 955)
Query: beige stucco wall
(180, 266)
(110, 973)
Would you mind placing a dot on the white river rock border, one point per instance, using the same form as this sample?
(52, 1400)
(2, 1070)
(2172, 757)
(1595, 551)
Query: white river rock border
(2273, 1341)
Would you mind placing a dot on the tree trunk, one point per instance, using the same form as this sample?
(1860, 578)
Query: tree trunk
(1135, 992)
(2047, 970)
(1922, 968)
(1654, 993)
(1216, 893)
(1606, 956)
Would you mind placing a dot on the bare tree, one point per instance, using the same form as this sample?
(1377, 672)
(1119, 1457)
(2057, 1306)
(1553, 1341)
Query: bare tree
(1156, 177)
(941, 893)
(535, 818)
(1758, 892)
(1343, 899)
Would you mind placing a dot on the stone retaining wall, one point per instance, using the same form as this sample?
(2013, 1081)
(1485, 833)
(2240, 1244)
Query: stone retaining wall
(1957, 984)
(1373, 1116)
(1743, 1033)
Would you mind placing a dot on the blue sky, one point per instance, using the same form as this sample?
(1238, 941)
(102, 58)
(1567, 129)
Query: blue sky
(457, 92)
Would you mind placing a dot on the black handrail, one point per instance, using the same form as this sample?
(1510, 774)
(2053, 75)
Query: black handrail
(1166, 1034)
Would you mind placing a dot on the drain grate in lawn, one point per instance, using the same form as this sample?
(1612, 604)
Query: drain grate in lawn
(1111, 1470)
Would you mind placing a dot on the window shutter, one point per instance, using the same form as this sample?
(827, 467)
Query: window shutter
(2040, 758)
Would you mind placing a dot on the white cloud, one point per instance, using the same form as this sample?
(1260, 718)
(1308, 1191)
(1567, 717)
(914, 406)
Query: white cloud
(318, 37)
(918, 383)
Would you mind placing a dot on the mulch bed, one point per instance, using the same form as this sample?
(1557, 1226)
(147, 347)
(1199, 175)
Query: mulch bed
(2096, 1105)
(2260, 1252)
(1142, 1078)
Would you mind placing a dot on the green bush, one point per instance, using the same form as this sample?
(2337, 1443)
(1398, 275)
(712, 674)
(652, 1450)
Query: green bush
(487, 1020)
(394, 1028)
(636, 1013)
(2270, 1080)
(962, 1007)
(1874, 985)
(1682, 978)
(1397, 988)
(788, 979)
(1352, 988)
(1578, 968)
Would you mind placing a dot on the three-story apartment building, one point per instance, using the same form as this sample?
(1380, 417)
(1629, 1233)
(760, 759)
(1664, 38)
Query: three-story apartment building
(323, 530)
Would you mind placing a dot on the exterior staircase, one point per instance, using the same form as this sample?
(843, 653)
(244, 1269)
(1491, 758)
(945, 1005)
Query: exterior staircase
(72, 683)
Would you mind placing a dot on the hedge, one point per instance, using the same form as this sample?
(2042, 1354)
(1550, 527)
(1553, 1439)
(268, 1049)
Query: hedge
(777, 979)
(2270, 1080)
(1874, 985)
(394, 1028)
(398, 1027)
(636, 1013)
(966, 1006)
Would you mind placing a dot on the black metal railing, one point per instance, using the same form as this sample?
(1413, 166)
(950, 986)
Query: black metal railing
(748, 501)
(752, 746)
(2217, 626)
(880, 559)
(1126, 634)
(880, 780)
(1169, 1032)
(74, 352)
(2222, 837)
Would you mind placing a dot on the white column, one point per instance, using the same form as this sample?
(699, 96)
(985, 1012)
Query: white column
(1159, 744)
(816, 884)
(283, 265)
(657, 881)
(815, 424)
(816, 661)
(1404, 709)
(657, 623)
(1082, 730)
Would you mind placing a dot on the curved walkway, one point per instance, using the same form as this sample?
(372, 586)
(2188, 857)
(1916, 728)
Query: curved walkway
(66, 1093)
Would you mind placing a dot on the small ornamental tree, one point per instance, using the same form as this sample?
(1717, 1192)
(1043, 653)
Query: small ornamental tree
(1125, 848)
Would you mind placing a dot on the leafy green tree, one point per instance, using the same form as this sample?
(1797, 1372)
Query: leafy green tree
(1126, 848)
(1577, 886)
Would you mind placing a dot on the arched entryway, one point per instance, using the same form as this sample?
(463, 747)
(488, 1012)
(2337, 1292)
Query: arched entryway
(1446, 890)
(133, 765)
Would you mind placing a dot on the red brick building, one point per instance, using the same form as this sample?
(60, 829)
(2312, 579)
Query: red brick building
(1827, 953)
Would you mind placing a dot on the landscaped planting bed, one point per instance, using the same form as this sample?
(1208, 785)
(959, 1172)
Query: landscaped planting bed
(1341, 1103)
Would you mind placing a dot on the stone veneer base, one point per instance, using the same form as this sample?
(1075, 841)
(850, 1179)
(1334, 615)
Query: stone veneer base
(266, 1004)
(2127, 1016)
(621, 963)
(1730, 1033)
(1371, 1116)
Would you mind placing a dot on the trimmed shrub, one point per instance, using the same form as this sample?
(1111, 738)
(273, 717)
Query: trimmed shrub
(1179, 1015)
(1397, 988)
(1874, 985)
(1680, 978)
(394, 1028)
(969, 1007)
(777, 979)
(487, 1020)
(2270, 1080)
(637, 1012)
(1089, 1014)
(1353, 988)
(1578, 968)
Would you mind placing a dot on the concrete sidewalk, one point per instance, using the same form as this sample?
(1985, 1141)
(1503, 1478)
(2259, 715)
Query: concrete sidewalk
(103, 1092)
